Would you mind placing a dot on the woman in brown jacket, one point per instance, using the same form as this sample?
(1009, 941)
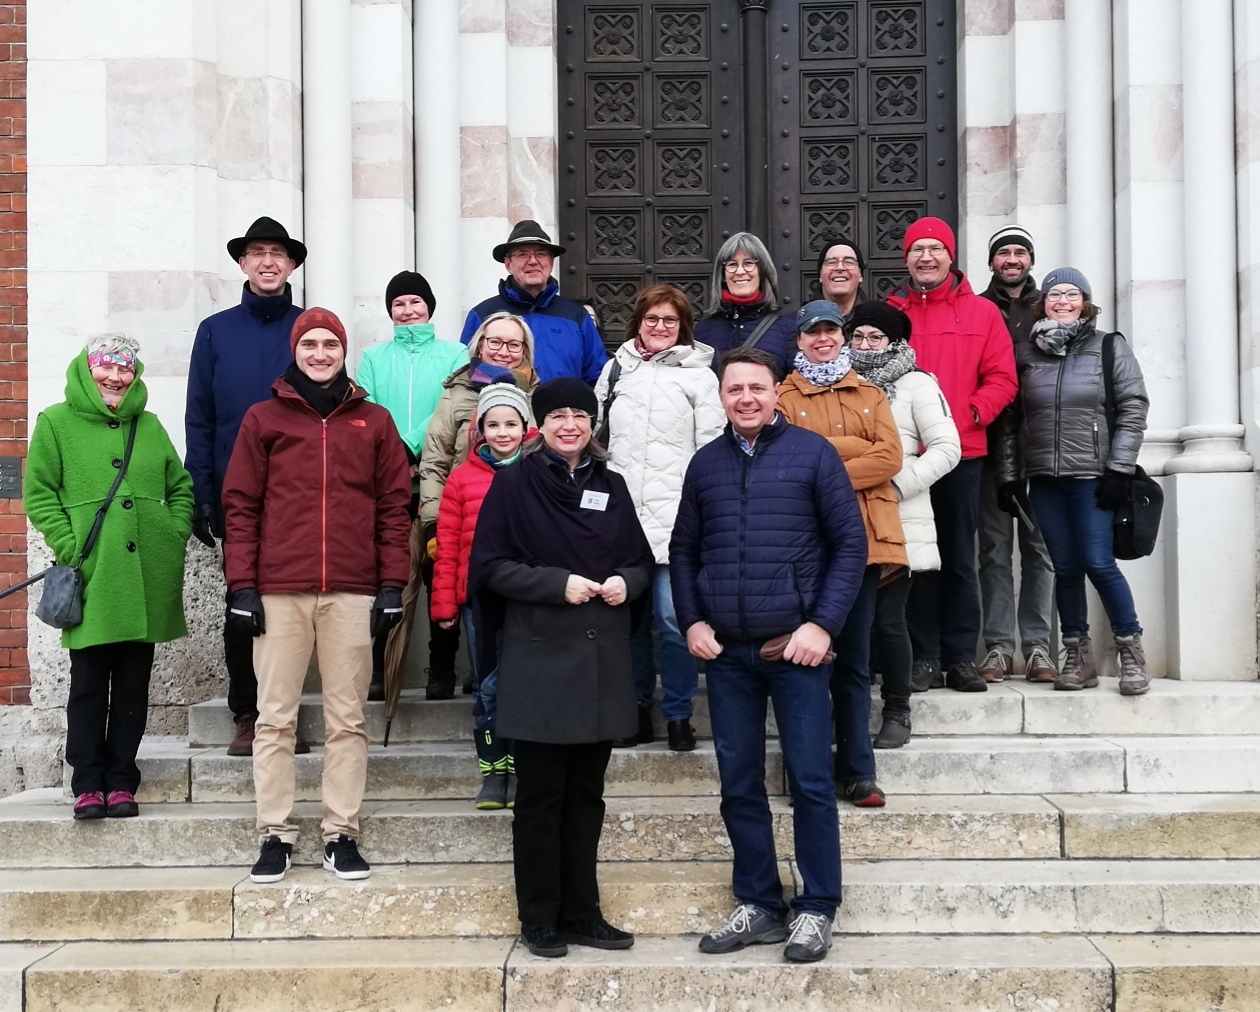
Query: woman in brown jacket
(824, 394)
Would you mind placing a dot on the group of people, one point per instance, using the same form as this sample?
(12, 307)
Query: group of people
(778, 496)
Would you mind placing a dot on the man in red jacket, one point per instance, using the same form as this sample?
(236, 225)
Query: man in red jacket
(961, 339)
(315, 498)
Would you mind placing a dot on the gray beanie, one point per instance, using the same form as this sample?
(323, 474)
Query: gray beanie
(503, 394)
(1065, 276)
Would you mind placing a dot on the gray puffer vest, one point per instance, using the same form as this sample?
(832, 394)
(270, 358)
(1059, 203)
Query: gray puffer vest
(1061, 424)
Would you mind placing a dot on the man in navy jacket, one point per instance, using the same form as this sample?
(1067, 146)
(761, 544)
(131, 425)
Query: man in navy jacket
(236, 356)
(769, 545)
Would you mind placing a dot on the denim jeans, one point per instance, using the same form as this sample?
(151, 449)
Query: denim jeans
(739, 683)
(679, 675)
(894, 645)
(1078, 534)
(851, 687)
(485, 690)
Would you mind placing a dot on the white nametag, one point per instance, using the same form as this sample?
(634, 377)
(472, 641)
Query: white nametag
(595, 501)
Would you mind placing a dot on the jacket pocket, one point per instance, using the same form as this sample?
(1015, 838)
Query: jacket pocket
(796, 589)
(885, 515)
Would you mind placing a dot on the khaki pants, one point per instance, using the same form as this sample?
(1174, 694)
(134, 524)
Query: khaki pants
(399, 641)
(338, 625)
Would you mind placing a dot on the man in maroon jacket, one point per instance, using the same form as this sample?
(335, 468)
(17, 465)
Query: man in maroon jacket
(316, 498)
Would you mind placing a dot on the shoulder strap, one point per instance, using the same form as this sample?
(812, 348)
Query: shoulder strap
(614, 374)
(760, 330)
(99, 521)
(1109, 381)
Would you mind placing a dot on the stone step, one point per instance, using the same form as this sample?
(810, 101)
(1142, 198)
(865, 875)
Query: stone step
(1194, 973)
(215, 834)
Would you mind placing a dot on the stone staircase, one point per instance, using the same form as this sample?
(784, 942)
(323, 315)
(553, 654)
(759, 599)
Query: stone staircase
(1040, 851)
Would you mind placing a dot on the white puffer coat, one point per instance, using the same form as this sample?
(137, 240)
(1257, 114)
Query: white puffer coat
(663, 411)
(923, 419)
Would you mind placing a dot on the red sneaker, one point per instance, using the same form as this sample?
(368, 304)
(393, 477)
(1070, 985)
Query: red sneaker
(122, 805)
(89, 805)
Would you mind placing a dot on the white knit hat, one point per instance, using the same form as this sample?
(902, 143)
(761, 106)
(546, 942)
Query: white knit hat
(502, 394)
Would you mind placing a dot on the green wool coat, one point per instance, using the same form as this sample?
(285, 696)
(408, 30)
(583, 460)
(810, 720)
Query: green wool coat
(134, 578)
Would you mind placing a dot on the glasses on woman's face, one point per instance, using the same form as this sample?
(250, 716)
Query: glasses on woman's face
(564, 417)
(734, 266)
(668, 322)
(1064, 295)
(499, 343)
(872, 341)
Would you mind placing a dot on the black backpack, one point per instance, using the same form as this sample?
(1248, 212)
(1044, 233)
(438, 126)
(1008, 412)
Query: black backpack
(1136, 522)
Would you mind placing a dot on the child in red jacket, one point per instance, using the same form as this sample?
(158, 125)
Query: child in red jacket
(502, 419)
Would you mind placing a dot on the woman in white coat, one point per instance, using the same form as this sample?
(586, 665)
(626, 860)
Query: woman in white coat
(659, 397)
(879, 340)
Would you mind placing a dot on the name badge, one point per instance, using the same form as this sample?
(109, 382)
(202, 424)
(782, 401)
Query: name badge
(595, 501)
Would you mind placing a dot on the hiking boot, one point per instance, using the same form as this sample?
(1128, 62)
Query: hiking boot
(441, 684)
(243, 741)
(682, 736)
(493, 793)
(596, 934)
(997, 666)
(376, 687)
(926, 674)
(963, 677)
(89, 805)
(273, 862)
(645, 735)
(894, 732)
(809, 938)
(342, 858)
(121, 805)
(1038, 667)
(746, 925)
(543, 940)
(1078, 665)
(863, 794)
(1135, 678)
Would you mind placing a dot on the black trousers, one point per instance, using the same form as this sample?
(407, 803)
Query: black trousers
(105, 715)
(556, 824)
(893, 639)
(238, 656)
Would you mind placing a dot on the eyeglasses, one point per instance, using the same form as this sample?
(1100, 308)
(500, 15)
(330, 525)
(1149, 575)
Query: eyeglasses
(263, 254)
(831, 263)
(668, 322)
(564, 417)
(934, 251)
(1064, 295)
(499, 343)
(524, 256)
(867, 340)
(747, 266)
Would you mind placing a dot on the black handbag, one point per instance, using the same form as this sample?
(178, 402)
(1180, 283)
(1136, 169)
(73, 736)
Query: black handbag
(61, 605)
(1135, 524)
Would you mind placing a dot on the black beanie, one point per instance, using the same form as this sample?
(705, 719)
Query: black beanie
(841, 240)
(1012, 235)
(408, 283)
(890, 320)
(565, 392)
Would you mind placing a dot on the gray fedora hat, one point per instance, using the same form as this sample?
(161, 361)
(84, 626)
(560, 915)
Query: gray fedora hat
(527, 231)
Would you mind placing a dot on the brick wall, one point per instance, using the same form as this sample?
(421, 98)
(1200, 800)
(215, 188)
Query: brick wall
(15, 672)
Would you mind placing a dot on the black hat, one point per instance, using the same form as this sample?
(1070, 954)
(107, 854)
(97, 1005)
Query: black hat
(270, 230)
(565, 392)
(409, 283)
(890, 320)
(526, 231)
(841, 240)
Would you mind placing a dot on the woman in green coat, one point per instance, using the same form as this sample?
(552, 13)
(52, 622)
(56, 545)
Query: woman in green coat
(133, 595)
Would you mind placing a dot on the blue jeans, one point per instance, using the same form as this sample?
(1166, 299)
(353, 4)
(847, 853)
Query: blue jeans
(851, 687)
(1078, 536)
(485, 690)
(739, 683)
(679, 676)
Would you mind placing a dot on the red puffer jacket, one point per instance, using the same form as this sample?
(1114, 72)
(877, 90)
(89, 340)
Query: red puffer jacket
(457, 521)
(962, 340)
(317, 505)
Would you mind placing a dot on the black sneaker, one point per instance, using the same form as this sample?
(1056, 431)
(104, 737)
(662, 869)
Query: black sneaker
(809, 938)
(926, 674)
(273, 862)
(376, 687)
(682, 736)
(863, 794)
(894, 732)
(342, 858)
(543, 940)
(597, 934)
(963, 677)
(746, 925)
(441, 684)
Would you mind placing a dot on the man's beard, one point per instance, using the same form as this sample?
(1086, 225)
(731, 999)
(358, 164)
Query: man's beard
(1018, 281)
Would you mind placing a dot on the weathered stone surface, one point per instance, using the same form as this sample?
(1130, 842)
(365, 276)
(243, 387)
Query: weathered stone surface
(125, 903)
(377, 975)
(1171, 708)
(1164, 765)
(14, 959)
(946, 826)
(1160, 825)
(1186, 973)
(998, 711)
(1016, 765)
(1128, 897)
(28, 757)
(872, 974)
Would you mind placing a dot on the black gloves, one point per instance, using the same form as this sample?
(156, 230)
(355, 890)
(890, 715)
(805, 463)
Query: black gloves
(1113, 490)
(203, 525)
(387, 610)
(1010, 497)
(245, 612)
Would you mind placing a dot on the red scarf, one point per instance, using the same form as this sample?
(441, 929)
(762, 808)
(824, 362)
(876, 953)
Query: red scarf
(741, 300)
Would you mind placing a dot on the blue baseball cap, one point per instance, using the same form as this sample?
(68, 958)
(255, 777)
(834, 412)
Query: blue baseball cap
(814, 313)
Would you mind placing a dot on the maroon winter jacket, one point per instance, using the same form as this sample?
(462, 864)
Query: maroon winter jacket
(317, 505)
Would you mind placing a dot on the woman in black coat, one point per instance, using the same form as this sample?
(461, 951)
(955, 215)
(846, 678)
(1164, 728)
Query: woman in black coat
(557, 559)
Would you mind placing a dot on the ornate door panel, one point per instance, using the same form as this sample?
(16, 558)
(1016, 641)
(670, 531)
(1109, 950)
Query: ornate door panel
(862, 138)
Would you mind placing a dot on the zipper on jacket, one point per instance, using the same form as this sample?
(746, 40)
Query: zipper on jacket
(743, 523)
(796, 588)
(1058, 395)
(323, 522)
(1096, 450)
(411, 371)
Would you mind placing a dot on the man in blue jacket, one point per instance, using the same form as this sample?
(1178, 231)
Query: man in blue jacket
(566, 340)
(766, 557)
(236, 356)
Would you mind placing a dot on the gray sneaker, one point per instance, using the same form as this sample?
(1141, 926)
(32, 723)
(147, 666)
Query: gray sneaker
(746, 925)
(809, 938)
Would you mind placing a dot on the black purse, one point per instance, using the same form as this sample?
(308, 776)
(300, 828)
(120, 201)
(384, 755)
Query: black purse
(1135, 523)
(61, 605)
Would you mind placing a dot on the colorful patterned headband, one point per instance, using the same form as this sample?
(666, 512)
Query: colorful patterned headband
(123, 358)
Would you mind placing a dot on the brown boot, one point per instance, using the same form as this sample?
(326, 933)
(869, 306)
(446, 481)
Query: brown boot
(997, 666)
(243, 742)
(1038, 667)
(1078, 665)
(1135, 679)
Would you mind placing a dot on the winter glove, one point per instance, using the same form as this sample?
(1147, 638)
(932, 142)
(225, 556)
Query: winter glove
(431, 548)
(1010, 497)
(203, 525)
(387, 610)
(1113, 490)
(245, 612)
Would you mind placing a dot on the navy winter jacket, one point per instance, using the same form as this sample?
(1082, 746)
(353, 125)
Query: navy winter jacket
(733, 324)
(566, 340)
(767, 542)
(236, 356)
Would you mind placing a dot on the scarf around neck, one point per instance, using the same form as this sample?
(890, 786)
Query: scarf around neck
(884, 367)
(486, 454)
(824, 374)
(323, 399)
(1054, 337)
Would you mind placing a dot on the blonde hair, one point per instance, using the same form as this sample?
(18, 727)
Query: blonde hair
(111, 343)
(527, 355)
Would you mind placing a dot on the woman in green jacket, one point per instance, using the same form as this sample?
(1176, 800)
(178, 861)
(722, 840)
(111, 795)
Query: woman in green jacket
(133, 595)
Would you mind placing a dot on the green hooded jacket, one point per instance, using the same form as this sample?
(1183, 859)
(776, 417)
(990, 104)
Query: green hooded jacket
(134, 578)
(405, 377)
